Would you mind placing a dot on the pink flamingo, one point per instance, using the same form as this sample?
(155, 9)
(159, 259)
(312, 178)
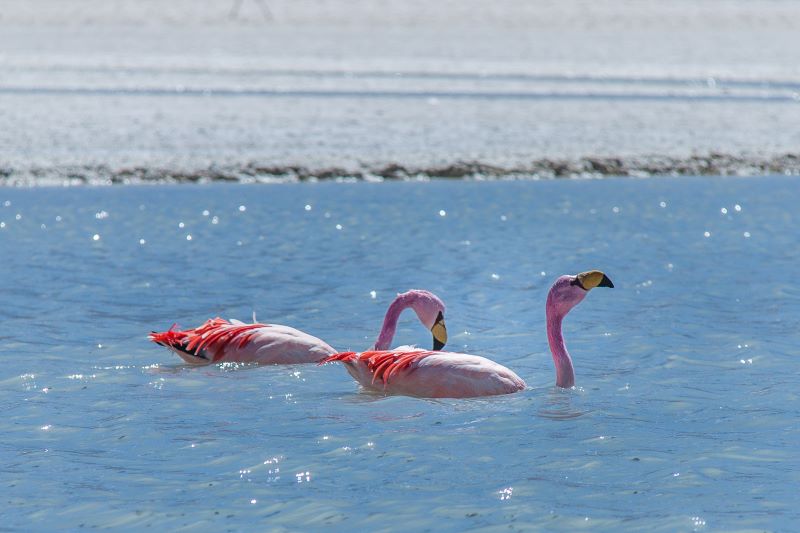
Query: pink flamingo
(429, 309)
(219, 340)
(415, 372)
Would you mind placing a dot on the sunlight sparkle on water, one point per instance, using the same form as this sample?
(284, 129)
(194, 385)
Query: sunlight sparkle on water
(505, 494)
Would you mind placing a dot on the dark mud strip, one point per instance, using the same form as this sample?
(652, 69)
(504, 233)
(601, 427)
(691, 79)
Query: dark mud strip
(714, 164)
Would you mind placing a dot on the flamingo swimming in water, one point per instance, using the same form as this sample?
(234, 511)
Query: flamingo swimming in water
(422, 373)
(219, 340)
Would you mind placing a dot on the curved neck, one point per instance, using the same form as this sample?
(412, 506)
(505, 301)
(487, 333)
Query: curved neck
(565, 375)
(386, 335)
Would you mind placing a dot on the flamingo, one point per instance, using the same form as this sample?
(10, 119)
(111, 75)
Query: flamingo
(432, 374)
(429, 309)
(218, 340)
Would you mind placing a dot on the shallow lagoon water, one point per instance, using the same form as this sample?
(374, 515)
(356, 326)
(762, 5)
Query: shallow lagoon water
(684, 418)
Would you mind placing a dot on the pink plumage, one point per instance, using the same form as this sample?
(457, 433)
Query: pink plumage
(218, 340)
(457, 375)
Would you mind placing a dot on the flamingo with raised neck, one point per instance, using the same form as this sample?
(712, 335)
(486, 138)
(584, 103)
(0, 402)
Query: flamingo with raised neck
(219, 340)
(428, 374)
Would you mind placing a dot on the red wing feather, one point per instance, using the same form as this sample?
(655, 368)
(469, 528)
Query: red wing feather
(382, 363)
(212, 336)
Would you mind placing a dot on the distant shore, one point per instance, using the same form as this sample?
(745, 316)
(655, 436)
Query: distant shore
(714, 164)
(128, 92)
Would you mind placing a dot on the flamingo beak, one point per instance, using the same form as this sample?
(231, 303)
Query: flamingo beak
(439, 332)
(605, 282)
(591, 279)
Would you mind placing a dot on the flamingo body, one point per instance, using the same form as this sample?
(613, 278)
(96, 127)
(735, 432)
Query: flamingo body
(429, 374)
(414, 372)
(219, 340)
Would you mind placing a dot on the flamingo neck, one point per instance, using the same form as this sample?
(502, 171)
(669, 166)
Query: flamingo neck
(565, 375)
(389, 328)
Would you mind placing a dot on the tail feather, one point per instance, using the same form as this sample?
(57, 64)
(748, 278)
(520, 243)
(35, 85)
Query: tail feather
(171, 337)
(175, 339)
(342, 356)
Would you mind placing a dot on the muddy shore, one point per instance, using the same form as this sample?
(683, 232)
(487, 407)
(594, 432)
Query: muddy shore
(254, 172)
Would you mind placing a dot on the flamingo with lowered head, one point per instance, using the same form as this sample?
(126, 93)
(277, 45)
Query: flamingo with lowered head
(415, 372)
(219, 340)
(429, 309)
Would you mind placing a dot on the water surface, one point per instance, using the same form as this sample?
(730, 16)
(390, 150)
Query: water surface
(684, 416)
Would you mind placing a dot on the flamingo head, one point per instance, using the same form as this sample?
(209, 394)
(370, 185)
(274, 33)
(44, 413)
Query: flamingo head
(569, 291)
(430, 311)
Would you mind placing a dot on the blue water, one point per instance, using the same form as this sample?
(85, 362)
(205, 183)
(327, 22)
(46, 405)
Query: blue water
(684, 418)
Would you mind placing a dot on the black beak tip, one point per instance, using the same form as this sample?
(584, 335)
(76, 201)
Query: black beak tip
(606, 282)
(437, 345)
